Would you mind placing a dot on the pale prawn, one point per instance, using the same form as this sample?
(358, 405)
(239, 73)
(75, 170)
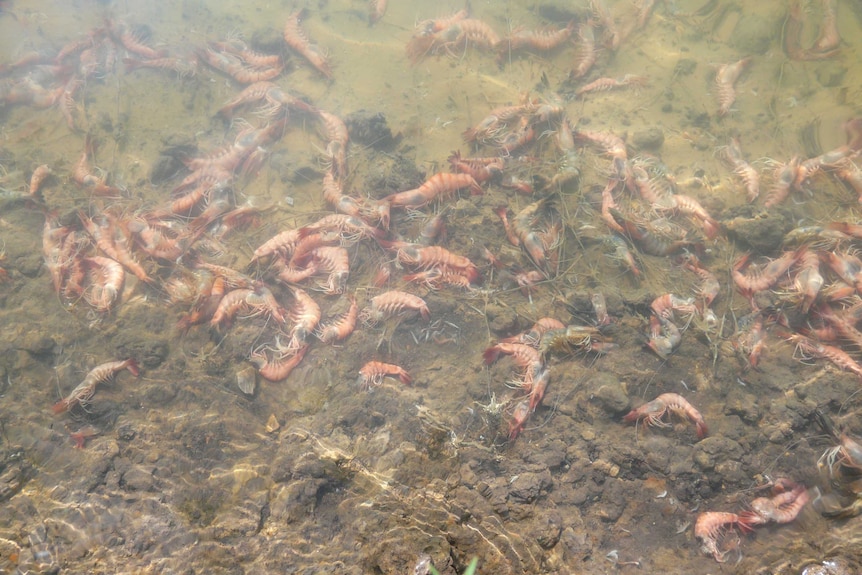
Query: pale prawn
(523, 355)
(349, 229)
(605, 84)
(296, 38)
(238, 47)
(334, 196)
(533, 336)
(372, 373)
(263, 299)
(338, 137)
(393, 303)
(710, 528)
(229, 306)
(732, 155)
(305, 315)
(586, 42)
(520, 415)
(482, 169)
(784, 178)
(111, 239)
(850, 174)
(664, 306)
(340, 327)
(427, 257)
(538, 40)
(653, 412)
(435, 278)
(131, 40)
(689, 205)
(439, 185)
(780, 508)
(503, 213)
(848, 453)
(281, 366)
(664, 336)
(106, 282)
(836, 355)
(282, 243)
(764, 278)
(251, 93)
(82, 175)
(468, 31)
(87, 388)
(846, 265)
(335, 260)
(290, 274)
(725, 77)
(709, 287)
(490, 126)
(377, 10)
(40, 174)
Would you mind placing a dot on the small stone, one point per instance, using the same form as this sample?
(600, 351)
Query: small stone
(742, 404)
(759, 232)
(246, 380)
(548, 534)
(753, 34)
(606, 467)
(138, 478)
(501, 320)
(730, 471)
(527, 487)
(685, 67)
(650, 139)
(268, 40)
(272, 424)
(610, 395)
(126, 432)
(714, 450)
(613, 500)
(577, 544)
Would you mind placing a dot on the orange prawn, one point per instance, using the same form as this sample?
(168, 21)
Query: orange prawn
(653, 412)
(711, 526)
(439, 185)
(372, 373)
(297, 40)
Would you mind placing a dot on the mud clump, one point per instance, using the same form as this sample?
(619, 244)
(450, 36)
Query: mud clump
(651, 139)
(753, 34)
(370, 129)
(390, 173)
(757, 230)
(149, 353)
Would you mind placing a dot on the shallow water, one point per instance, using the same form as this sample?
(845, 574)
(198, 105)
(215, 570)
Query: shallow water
(186, 473)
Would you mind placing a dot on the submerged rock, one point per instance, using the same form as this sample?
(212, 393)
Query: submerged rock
(762, 232)
(610, 395)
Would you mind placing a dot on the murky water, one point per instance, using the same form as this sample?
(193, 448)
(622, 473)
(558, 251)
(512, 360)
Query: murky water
(182, 471)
